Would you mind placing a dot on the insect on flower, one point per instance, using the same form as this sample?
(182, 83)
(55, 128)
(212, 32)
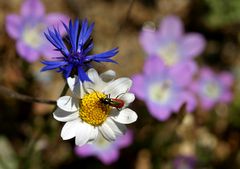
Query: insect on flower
(113, 102)
(86, 117)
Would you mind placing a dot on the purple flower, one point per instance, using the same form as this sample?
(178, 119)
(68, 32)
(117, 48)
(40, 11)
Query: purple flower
(107, 152)
(164, 89)
(170, 43)
(28, 28)
(213, 88)
(184, 162)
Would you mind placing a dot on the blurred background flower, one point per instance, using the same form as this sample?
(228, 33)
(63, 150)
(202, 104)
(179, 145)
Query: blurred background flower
(212, 88)
(184, 162)
(106, 152)
(170, 43)
(162, 89)
(28, 30)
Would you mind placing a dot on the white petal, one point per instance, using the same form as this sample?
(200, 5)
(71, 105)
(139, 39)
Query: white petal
(118, 87)
(108, 75)
(84, 133)
(107, 132)
(93, 135)
(69, 130)
(75, 86)
(93, 75)
(125, 116)
(96, 85)
(68, 103)
(128, 98)
(118, 128)
(64, 116)
(90, 87)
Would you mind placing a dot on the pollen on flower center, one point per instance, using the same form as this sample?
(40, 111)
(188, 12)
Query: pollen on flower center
(92, 110)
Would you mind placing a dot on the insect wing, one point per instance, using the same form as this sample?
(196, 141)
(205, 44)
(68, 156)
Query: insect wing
(118, 103)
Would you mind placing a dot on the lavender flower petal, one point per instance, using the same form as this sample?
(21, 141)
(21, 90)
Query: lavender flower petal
(33, 8)
(192, 45)
(13, 25)
(27, 52)
(171, 27)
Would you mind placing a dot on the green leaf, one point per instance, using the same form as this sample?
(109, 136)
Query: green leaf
(8, 158)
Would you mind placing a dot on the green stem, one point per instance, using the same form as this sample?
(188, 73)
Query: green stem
(65, 89)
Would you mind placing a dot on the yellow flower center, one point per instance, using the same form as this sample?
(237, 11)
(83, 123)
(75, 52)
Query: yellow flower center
(92, 110)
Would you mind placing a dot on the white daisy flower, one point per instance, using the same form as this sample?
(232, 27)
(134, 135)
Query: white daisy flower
(87, 115)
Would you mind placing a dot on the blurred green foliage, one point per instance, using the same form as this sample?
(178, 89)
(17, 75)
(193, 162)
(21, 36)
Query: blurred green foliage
(223, 12)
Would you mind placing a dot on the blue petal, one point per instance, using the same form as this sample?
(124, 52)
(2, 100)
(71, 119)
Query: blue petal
(53, 62)
(50, 65)
(82, 75)
(84, 33)
(103, 57)
(104, 60)
(67, 70)
(72, 31)
(88, 49)
(55, 38)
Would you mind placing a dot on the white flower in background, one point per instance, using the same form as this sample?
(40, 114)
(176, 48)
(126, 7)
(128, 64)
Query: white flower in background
(87, 116)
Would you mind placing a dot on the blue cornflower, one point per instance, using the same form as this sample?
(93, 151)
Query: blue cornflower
(75, 59)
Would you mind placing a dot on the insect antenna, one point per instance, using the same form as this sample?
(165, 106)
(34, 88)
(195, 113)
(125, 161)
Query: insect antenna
(95, 92)
(121, 94)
